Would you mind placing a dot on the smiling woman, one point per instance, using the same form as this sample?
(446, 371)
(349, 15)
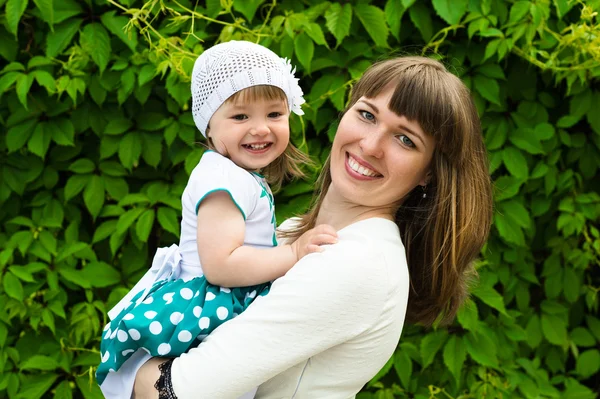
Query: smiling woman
(406, 188)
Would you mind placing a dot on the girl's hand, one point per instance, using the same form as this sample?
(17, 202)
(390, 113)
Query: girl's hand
(312, 240)
(146, 377)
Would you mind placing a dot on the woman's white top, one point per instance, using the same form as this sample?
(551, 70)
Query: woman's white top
(248, 191)
(324, 330)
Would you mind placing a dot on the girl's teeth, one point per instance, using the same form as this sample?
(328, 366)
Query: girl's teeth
(355, 166)
(257, 146)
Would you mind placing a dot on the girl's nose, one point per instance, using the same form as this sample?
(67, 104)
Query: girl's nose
(260, 129)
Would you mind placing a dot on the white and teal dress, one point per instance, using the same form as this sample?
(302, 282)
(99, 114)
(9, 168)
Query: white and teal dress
(174, 307)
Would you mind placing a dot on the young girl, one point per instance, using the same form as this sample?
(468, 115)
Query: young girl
(242, 96)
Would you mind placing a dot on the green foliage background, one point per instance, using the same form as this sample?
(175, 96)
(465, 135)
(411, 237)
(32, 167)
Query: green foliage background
(97, 142)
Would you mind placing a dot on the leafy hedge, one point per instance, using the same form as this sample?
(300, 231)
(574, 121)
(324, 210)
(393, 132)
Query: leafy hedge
(97, 142)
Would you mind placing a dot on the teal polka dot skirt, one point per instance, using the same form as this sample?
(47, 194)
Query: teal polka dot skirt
(174, 317)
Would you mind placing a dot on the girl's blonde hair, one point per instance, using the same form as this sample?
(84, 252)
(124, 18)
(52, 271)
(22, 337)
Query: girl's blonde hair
(443, 233)
(288, 164)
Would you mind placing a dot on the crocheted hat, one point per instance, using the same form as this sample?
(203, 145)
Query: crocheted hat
(227, 68)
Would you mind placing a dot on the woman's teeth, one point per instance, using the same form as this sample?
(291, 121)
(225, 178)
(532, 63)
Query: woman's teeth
(355, 166)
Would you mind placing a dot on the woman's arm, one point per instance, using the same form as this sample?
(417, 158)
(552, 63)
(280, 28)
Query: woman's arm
(227, 262)
(318, 304)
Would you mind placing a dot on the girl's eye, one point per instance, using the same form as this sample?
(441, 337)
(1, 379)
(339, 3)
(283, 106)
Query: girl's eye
(240, 117)
(406, 141)
(275, 114)
(367, 115)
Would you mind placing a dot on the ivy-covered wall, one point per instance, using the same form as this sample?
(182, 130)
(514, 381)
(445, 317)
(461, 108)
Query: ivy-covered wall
(97, 141)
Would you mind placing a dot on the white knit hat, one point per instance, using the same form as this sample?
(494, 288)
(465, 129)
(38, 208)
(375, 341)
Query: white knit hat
(227, 68)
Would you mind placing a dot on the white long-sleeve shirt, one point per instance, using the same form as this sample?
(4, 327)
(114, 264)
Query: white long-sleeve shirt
(324, 330)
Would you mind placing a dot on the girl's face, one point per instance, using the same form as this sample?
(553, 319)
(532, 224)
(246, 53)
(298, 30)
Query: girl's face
(378, 157)
(251, 134)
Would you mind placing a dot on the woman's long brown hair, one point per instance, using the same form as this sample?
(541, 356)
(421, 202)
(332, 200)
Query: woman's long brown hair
(443, 233)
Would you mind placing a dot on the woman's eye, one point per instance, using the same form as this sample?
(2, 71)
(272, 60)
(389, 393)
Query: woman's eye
(240, 117)
(367, 115)
(406, 141)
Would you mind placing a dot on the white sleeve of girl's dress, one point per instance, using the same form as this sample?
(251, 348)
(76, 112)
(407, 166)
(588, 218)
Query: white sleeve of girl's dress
(326, 299)
(217, 173)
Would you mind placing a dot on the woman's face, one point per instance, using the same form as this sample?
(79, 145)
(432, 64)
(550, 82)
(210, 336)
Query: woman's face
(378, 157)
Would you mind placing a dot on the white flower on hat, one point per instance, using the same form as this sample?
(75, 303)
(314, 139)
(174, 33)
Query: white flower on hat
(296, 92)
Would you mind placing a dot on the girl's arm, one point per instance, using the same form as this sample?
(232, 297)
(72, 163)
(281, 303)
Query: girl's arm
(227, 262)
(325, 300)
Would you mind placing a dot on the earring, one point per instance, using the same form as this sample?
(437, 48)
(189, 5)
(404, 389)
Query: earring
(424, 188)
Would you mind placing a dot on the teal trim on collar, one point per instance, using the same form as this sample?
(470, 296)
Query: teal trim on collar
(220, 189)
(258, 174)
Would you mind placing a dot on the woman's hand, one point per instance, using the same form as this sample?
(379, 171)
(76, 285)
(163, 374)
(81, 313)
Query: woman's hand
(145, 379)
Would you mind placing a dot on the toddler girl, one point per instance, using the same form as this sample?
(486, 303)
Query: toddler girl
(242, 95)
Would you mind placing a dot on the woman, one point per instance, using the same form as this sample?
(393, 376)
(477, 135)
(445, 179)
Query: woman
(407, 187)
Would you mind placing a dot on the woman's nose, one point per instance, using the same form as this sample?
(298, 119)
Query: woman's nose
(372, 144)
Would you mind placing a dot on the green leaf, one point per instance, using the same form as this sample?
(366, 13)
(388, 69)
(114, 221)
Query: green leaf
(515, 211)
(247, 8)
(338, 19)
(14, 12)
(130, 149)
(63, 33)
(8, 80)
(394, 10)
(168, 219)
(65, 9)
(93, 195)
(515, 162)
(315, 32)
(431, 344)
(144, 224)
(455, 355)
(22, 273)
(582, 337)
(63, 391)
(82, 165)
(18, 135)
(544, 131)
(36, 386)
(61, 130)
(118, 125)
(509, 230)
(525, 139)
(403, 366)
(12, 286)
(451, 11)
(373, 20)
(304, 49)
(95, 41)
(46, 8)
(534, 331)
(100, 274)
(127, 219)
(420, 16)
(23, 88)
(490, 297)
(468, 315)
(74, 185)
(147, 73)
(116, 24)
(554, 329)
(40, 140)
(488, 88)
(104, 230)
(518, 11)
(39, 362)
(45, 80)
(588, 363)
(482, 349)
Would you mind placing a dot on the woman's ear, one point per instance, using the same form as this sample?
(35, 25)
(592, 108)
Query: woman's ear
(426, 179)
